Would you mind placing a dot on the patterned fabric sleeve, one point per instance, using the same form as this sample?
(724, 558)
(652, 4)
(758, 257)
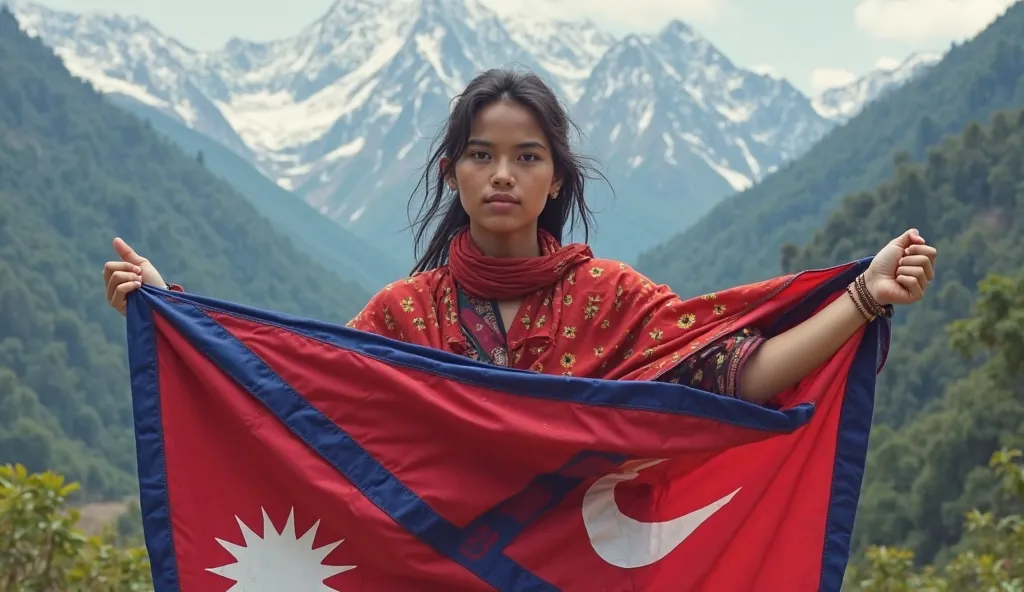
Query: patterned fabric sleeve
(717, 368)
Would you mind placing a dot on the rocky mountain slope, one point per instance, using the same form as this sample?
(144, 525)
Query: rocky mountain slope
(341, 113)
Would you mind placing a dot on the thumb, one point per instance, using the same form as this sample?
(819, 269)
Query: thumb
(910, 237)
(127, 253)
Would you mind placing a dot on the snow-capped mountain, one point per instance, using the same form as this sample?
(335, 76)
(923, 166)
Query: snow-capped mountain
(844, 102)
(342, 113)
(678, 98)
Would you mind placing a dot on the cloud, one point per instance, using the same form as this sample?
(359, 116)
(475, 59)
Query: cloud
(926, 20)
(616, 15)
(823, 79)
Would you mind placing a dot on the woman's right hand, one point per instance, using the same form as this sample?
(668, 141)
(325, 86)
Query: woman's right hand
(127, 275)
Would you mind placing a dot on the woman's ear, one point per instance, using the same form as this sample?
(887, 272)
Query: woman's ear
(446, 173)
(555, 188)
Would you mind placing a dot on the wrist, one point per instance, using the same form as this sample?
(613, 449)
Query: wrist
(864, 292)
(870, 284)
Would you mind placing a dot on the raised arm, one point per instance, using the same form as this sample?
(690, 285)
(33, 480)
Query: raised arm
(899, 274)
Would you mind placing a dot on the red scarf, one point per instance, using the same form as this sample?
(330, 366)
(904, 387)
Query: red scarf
(502, 278)
(596, 319)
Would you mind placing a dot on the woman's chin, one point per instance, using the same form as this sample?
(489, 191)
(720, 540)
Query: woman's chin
(503, 225)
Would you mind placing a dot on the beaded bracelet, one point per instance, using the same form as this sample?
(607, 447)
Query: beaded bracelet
(866, 303)
(870, 303)
(860, 307)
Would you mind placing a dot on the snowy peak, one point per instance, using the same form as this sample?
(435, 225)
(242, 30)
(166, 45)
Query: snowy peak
(567, 50)
(342, 112)
(678, 97)
(844, 102)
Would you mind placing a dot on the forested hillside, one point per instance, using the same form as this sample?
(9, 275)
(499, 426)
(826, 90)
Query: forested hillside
(739, 239)
(76, 171)
(941, 415)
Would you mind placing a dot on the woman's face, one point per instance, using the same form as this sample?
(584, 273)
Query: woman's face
(506, 174)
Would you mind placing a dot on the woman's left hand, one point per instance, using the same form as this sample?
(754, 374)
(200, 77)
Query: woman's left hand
(900, 273)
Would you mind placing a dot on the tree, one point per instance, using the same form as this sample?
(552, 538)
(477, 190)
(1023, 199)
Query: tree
(992, 558)
(42, 551)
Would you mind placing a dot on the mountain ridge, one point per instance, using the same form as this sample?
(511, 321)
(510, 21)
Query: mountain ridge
(740, 239)
(341, 112)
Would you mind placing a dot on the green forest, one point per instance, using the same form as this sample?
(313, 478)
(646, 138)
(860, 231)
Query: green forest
(943, 496)
(951, 392)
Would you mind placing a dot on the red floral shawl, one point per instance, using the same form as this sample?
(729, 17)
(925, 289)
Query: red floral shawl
(602, 319)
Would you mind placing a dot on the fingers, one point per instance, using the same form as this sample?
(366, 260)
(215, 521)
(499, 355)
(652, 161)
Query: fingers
(912, 284)
(914, 277)
(119, 285)
(922, 249)
(917, 266)
(110, 267)
(917, 261)
(127, 253)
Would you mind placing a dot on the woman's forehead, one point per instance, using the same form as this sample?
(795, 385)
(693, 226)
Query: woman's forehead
(506, 122)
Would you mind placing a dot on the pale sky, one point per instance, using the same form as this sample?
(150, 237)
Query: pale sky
(813, 43)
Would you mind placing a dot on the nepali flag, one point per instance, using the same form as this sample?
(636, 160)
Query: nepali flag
(277, 453)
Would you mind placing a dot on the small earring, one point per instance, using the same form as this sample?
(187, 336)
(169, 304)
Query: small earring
(554, 194)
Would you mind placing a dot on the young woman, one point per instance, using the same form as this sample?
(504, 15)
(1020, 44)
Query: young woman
(495, 283)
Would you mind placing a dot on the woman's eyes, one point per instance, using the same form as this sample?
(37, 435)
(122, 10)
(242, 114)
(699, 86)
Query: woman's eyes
(481, 155)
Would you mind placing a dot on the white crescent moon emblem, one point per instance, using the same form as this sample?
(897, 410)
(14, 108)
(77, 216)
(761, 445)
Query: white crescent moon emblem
(628, 543)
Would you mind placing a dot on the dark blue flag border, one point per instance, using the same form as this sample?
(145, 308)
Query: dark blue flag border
(187, 314)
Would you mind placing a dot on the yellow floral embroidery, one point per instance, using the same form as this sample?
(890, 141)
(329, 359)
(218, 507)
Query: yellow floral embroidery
(710, 296)
(569, 332)
(596, 272)
(537, 367)
(686, 321)
(656, 334)
(571, 278)
(526, 321)
(419, 323)
(606, 323)
(598, 351)
(541, 320)
(567, 299)
(567, 360)
(648, 352)
(719, 309)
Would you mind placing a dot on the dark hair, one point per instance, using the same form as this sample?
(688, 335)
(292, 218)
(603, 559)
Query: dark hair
(447, 213)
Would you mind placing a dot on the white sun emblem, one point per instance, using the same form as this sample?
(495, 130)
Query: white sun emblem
(279, 560)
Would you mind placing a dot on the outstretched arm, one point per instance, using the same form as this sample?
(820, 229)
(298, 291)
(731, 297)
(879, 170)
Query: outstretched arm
(899, 274)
